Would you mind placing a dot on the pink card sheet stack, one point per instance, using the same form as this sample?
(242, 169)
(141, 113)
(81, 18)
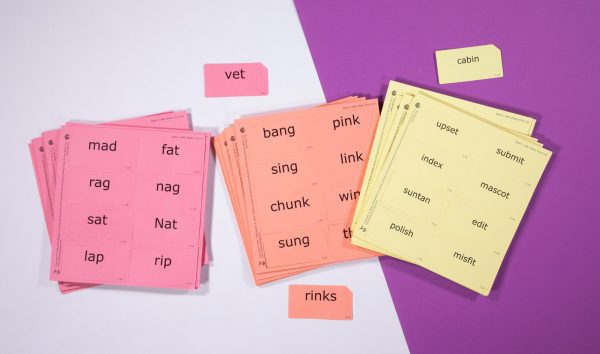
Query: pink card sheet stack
(124, 201)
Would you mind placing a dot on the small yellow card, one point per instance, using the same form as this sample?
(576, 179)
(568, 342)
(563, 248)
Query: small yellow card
(469, 64)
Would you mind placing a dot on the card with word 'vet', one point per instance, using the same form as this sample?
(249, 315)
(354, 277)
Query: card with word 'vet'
(129, 206)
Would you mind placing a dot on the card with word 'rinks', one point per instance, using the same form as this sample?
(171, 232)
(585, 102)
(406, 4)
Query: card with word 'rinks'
(294, 179)
(451, 193)
(44, 153)
(129, 206)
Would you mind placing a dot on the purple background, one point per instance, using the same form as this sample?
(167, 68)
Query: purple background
(546, 297)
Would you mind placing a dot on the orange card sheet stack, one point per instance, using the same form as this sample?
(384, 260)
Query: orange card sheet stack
(293, 179)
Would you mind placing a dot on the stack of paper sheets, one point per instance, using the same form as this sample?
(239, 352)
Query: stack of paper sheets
(124, 201)
(293, 179)
(447, 183)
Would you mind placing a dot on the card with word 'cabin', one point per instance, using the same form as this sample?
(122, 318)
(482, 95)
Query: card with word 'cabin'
(293, 179)
(451, 192)
(129, 206)
(469, 64)
(44, 150)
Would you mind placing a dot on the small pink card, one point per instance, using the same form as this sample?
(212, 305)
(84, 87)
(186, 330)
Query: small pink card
(326, 302)
(239, 79)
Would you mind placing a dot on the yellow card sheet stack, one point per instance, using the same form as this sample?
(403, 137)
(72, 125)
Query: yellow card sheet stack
(447, 183)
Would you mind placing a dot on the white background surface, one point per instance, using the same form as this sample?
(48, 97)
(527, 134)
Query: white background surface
(104, 60)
